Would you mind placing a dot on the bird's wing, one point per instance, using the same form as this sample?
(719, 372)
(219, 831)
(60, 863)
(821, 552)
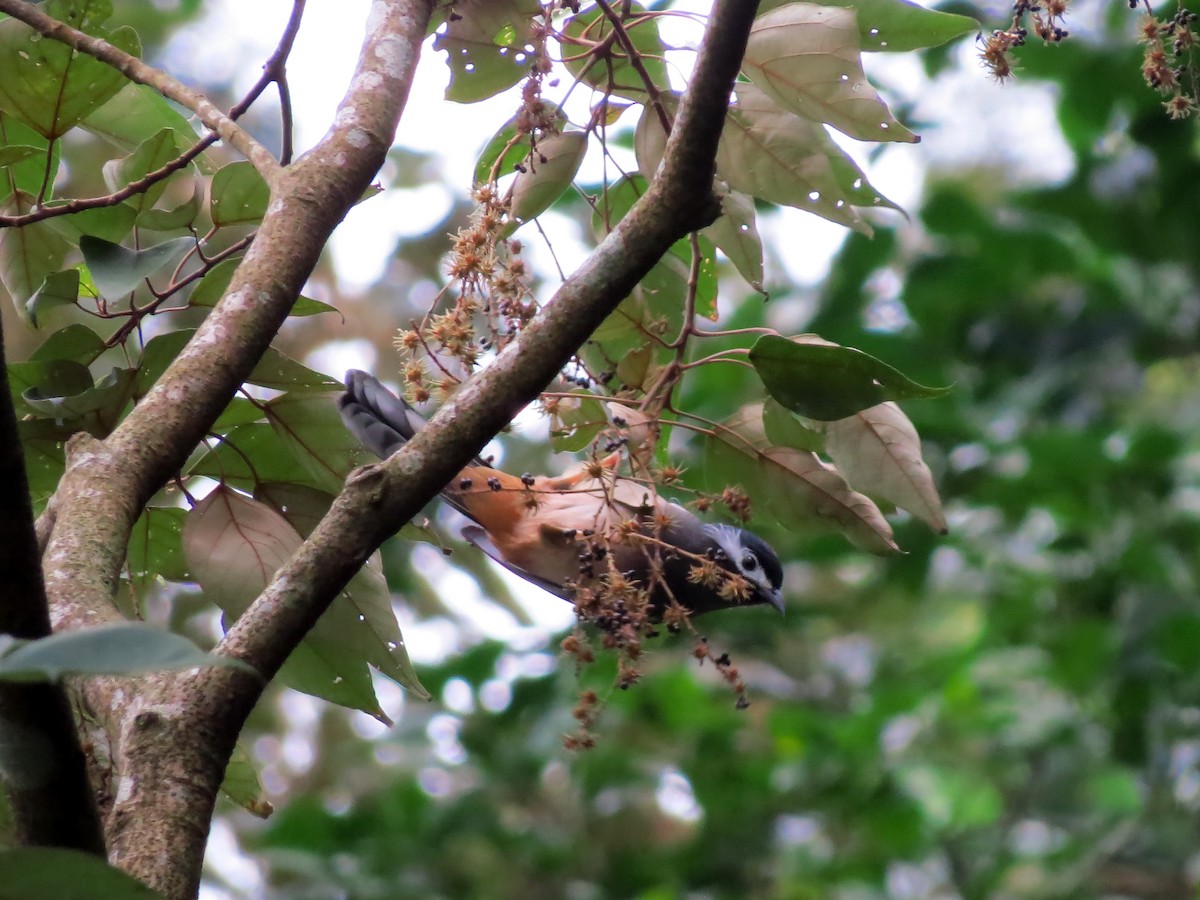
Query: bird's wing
(477, 537)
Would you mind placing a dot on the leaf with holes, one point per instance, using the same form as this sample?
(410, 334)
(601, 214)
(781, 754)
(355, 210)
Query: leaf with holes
(826, 382)
(807, 59)
(769, 153)
(51, 87)
(896, 25)
(117, 271)
(485, 43)
(879, 451)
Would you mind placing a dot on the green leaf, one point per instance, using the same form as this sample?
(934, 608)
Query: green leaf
(117, 271)
(613, 73)
(57, 874)
(827, 382)
(156, 548)
(76, 342)
(213, 285)
(484, 43)
(783, 429)
(242, 785)
(29, 253)
(48, 85)
(896, 25)
(124, 649)
(106, 397)
(179, 216)
(806, 58)
(42, 443)
(576, 422)
(111, 223)
(549, 171)
(138, 112)
(502, 154)
(52, 377)
(28, 174)
(310, 425)
(14, 153)
(152, 154)
(238, 195)
(252, 453)
(282, 373)
(58, 290)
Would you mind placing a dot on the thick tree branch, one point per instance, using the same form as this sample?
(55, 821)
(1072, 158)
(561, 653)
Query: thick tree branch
(41, 764)
(136, 70)
(170, 761)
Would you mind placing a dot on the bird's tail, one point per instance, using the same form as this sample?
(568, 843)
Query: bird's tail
(381, 421)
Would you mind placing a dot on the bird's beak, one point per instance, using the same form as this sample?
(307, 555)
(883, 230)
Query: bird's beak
(775, 598)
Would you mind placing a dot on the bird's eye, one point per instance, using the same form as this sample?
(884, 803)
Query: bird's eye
(749, 562)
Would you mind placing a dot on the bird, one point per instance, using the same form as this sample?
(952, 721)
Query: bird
(588, 534)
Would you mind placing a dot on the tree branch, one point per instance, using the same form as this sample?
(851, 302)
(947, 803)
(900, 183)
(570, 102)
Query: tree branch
(169, 760)
(41, 764)
(379, 499)
(136, 70)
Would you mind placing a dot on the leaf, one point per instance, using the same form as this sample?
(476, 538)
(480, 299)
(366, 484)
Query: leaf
(213, 285)
(769, 153)
(75, 342)
(152, 154)
(612, 72)
(238, 195)
(783, 429)
(506, 150)
(58, 290)
(48, 378)
(549, 171)
(310, 425)
(282, 373)
(112, 223)
(117, 271)
(28, 174)
(234, 546)
(485, 44)
(576, 422)
(793, 486)
(29, 253)
(896, 25)
(242, 785)
(736, 234)
(879, 452)
(827, 382)
(124, 649)
(45, 83)
(806, 58)
(252, 453)
(156, 547)
(14, 153)
(138, 112)
(61, 401)
(179, 216)
(57, 874)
